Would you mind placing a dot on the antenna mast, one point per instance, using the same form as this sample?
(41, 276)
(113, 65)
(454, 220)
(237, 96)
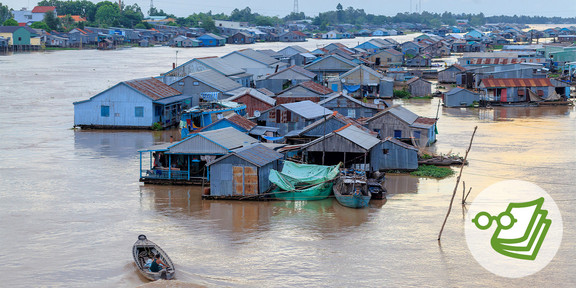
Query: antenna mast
(151, 6)
(295, 6)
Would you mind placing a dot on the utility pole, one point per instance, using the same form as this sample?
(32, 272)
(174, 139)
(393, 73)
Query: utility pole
(151, 6)
(295, 6)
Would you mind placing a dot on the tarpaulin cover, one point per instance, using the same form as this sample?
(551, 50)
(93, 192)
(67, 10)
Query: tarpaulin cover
(351, 88)
(270, 138)
(295, 175)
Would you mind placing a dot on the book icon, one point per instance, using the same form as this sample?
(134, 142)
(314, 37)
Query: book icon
(521, 229)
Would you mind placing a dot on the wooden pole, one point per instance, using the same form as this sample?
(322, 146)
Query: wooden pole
(457, 182)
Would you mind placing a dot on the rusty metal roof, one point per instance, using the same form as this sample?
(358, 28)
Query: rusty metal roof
(516, 82)
(257, 154)
(315, 87)
(152, 88)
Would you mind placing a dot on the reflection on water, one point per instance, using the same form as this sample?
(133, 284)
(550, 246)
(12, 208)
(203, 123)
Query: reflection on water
(400, 184)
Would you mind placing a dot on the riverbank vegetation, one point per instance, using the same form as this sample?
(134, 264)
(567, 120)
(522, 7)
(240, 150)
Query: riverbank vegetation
(433, 171)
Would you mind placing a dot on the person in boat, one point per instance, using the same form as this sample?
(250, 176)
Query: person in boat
(157, 265)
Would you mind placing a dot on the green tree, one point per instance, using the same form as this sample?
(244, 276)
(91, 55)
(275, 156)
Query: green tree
(107, 15)
(41, 25)
(10, 22)
(51, 20)
(4, 13)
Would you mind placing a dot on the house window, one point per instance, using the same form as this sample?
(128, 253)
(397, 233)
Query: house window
(138, 111)
(181, 83)
(385, 151)
(19, 38)
(105, 111)
(195, 83)
(397, 133)
(351, 113)
(272, 114)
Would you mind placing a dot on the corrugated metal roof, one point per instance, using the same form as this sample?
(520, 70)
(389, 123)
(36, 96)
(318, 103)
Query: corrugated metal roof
(216, 80)
(423, 122)
(315, 87)
(295, 47)
(399, 143)
(359, 137)
(400, 112)
(258, 56)
(241, 121)
(159, 147)
(229, 138)
(168, 100)
(220, 65)
(516, 82)
(258, 154)
(261, 130)
(296, 69)
(307, 109)
(152, 88)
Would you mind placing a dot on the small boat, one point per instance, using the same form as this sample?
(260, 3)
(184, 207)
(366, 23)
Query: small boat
(352, 192)
(376, 189)
(143, 251)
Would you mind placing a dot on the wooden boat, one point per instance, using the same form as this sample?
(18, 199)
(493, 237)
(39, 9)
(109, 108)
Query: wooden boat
(352, 192)
(376, 189)
(143, 250)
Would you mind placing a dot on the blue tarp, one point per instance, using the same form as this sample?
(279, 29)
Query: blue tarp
(272, 138)
(352, 88)
(209, 96)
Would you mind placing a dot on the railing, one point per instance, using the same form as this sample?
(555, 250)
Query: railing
(164, 174)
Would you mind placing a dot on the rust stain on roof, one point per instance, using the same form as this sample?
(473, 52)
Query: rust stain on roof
(318, 88)
(517, 82)
(152, 88)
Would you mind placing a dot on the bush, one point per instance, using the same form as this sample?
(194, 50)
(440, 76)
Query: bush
(401, 93)
(157, 126)
(433, 171)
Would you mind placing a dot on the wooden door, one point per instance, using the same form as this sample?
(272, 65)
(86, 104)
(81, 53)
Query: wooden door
(245, 180)
(503, 95)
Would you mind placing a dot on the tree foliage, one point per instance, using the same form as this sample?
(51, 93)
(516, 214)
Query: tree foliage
(4, 13)
(10, 22)
(41, 25)
(51, 20)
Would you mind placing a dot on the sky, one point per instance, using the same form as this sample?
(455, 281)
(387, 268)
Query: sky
(182, 8)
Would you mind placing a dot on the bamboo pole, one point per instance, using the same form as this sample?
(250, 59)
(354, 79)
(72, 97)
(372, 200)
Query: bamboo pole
(457, 182)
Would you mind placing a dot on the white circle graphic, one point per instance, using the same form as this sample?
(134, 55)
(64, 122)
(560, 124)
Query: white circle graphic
(513, 228)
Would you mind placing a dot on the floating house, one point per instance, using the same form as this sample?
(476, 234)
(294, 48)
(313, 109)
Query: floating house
(460, 97)
(286, 78)
(292, 116)
(255, 101)
(351, 107)
(205, 82)
(184, 162)
(419, 87)
(403, 124)
(241, 38)
(132, 104)
(289, 51)
(209, 63)
(322, 127)
(516, 90)
(292, 36)
(257, 63)
(349, 145)
(330, 66)
(393, 154)
(208, 112)
(243, 172)
(211, 40)
(232, 120)
(387, 58)
(450, 74)
(308, 90)
(362, 81)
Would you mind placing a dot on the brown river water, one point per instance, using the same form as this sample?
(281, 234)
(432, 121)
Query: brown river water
(71, 205)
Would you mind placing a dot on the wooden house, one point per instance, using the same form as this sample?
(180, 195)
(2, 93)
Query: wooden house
(207, 81)
(244, 171)
(209, 63)
(131, 104)
(349, 145)
(330, 66)
(211, 40)
(240, 38)
(419, 87)
(411, 48)
(288, 51)
(292, 116)
(515, 90)
(450, 74)
(460, 97)
(401, 123)
(255, 101)
(393, 154)
(286, 78)
(418, 61)
(292, 36)
(183, 162)
(308, 90)
(254, 62)
(363, 81)
(323, 126)
(351, 107)
(20, 36)
(387, 58)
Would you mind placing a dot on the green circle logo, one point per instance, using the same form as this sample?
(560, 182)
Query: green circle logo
(513, 228)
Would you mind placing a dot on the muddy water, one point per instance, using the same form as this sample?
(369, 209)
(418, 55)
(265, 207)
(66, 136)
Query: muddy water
(71, 205)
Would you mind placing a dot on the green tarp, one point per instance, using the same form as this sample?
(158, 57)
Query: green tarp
(305, 181)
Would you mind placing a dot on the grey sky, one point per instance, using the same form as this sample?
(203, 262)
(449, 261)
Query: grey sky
(561, 8)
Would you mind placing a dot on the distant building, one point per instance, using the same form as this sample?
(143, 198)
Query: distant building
(459, 97)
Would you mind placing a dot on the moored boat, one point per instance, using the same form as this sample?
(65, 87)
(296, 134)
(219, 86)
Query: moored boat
(303, 182)
(144, 251)
(352, 191)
